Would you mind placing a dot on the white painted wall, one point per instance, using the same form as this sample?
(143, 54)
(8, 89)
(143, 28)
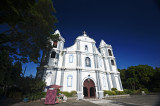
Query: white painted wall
(70, 67)
(68, 63)
(73, 73)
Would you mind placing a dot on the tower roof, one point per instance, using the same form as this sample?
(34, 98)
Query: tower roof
(57, 32)
(103, 43)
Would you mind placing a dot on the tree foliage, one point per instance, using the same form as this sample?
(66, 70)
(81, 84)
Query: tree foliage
(29, 27)
(12, 81)
(30, 85)
(141, 76)
(10, 72)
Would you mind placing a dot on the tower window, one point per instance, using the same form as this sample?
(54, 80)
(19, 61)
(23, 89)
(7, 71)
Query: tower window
(57, 56)
(53, 54)
(86, 48)
(55, 44)
(112, 62)
(88, 62)
(71, 58)
(110, 53)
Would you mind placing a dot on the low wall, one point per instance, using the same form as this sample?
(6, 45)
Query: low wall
(117, 96)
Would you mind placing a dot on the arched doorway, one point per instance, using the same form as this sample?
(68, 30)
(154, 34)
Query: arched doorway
(85, 91)
(89, 88)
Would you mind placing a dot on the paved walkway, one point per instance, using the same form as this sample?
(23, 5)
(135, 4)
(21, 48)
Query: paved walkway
(140, 100)
(135, 100)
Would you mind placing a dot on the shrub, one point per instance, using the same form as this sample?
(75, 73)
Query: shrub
(127, 91)
(35, 96)
(136, 92)
(66, 93)
(144, 89)
(15, 94)
(109, 92)
(73, 93)
(120, 92)
(69, 94)
(114, 89)
(114, 92)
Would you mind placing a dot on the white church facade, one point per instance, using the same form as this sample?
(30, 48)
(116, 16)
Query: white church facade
(82, 67)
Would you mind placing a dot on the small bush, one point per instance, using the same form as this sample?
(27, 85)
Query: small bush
(114, 89)
(15, 94)
(73, 93)
(127, 91)
(66, 93)
(144, 89)
(109, 92)
(36, 96)
(114, 92)
(69, 94)
(136, 92)
(120, 92)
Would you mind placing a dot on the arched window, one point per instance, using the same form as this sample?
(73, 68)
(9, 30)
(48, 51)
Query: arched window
(69, 80)
(55, 44)
(112, 62)
(53, 54)
(86, 48)
(110, 53)
(71, 58)
(88, 62)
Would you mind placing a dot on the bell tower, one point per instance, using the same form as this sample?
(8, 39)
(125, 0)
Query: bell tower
(106, 51)
(55, 52)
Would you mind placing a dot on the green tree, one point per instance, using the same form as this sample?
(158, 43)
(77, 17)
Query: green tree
(31, 86)
(132, 82)
(10, 73)
(5, 70)
(16, 72)
(136, 77)
(29, 27)
(155, 80)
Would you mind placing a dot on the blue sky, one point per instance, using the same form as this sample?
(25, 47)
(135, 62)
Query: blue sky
(132, 27)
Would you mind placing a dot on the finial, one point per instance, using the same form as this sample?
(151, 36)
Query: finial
(84, 33)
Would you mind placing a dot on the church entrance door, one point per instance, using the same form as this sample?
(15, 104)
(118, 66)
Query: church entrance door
(89, 88)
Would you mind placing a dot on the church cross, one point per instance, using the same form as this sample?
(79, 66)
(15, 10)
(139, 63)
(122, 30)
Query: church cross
(84, 32)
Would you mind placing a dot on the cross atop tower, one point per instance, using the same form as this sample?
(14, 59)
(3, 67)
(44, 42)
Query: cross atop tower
(84, 33)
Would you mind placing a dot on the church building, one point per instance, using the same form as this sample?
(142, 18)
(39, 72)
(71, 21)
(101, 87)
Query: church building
(81, 67)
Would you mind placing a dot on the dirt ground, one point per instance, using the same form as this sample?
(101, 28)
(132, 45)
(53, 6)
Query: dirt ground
(133, 100)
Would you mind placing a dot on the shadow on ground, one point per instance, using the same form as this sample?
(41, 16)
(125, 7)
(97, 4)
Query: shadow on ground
(133, 100)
